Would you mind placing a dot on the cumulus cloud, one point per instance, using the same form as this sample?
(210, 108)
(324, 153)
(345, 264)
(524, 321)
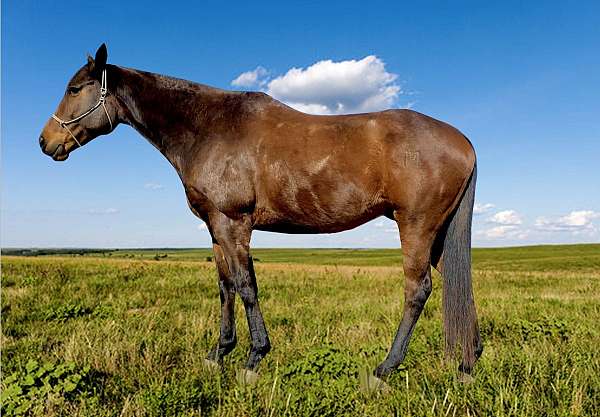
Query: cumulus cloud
(506, 218)
(255, 78)
(504, 232)
(479, 208)
(101, 212)
(386, 225)
(329, 87)
(380, 224)
(507, 224)
(153, 186)
(311, 108)
(576, 221)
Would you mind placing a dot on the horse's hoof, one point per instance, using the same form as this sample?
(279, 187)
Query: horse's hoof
(370, 384)
(465, 378)
(211, 366)
(247, 377)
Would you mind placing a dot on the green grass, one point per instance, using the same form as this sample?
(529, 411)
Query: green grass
(125, 334)
(554, 257)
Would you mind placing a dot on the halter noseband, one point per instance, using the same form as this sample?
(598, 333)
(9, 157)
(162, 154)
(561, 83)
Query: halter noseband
(101, 101)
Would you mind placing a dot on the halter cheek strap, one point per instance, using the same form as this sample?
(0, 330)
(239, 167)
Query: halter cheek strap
(101, 102)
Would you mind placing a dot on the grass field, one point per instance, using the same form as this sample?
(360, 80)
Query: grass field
(124, 333)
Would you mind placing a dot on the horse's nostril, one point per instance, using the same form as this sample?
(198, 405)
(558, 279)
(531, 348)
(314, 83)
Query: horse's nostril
(42, 142)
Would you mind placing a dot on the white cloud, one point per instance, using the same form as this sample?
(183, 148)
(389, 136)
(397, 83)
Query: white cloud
(498, 231)
(153, 186)
(576, 221)
(329, 87)
(102, 212)
(508, 224)
(386, 226)
(256, 77)
(507, 218)
(310, 108)
(504, 232)
(482, 208)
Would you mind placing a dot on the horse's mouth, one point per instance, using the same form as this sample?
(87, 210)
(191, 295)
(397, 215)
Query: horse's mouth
(60, 154)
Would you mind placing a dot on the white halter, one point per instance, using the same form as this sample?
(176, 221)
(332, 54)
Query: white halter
(103, 90)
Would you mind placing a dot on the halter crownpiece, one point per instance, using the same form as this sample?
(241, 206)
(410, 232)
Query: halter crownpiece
(101, 101)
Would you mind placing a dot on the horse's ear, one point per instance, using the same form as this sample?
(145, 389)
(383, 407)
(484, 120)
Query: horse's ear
(98, 64)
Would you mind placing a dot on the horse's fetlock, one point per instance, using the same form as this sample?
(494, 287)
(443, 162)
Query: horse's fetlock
(263, 348)
(228, 343)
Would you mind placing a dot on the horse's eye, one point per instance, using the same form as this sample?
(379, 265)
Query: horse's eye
(74, 90)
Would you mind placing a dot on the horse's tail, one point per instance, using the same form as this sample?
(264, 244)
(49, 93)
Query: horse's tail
(460, 319)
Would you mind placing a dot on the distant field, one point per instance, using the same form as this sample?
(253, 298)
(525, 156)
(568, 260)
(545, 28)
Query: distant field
(125, 333)
(536, 257)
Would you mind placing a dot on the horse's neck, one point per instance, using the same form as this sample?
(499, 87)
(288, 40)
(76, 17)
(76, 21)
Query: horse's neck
(170, 113)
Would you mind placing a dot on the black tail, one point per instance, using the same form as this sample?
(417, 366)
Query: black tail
(460, 319)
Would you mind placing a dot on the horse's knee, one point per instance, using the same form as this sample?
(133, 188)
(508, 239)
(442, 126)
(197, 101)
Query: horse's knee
(247, 294)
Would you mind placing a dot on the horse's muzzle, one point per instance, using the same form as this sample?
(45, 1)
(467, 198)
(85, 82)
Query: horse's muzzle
(57, 151)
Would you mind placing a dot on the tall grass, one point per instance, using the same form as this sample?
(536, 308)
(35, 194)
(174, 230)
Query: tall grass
(133, 334)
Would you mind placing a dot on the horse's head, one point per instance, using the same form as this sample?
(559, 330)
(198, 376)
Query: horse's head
(86, 111)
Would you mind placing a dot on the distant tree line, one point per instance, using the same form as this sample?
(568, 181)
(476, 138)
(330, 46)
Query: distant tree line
(42, 252)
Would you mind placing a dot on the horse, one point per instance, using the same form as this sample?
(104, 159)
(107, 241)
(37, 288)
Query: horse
(249, 162)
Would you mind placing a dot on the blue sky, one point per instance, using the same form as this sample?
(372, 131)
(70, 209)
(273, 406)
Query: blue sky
(520, 79)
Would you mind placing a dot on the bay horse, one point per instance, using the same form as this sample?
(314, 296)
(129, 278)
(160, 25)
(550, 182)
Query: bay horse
(249, 162)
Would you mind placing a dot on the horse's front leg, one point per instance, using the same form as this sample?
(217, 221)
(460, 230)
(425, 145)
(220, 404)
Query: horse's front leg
(248, 291)
(227, 337)
(233, 236)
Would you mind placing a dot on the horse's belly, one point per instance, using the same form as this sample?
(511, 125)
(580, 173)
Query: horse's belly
(315, 220)
(335, 193)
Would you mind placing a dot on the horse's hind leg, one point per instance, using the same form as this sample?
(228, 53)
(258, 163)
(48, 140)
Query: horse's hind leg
(417, 239)
(227, 338)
